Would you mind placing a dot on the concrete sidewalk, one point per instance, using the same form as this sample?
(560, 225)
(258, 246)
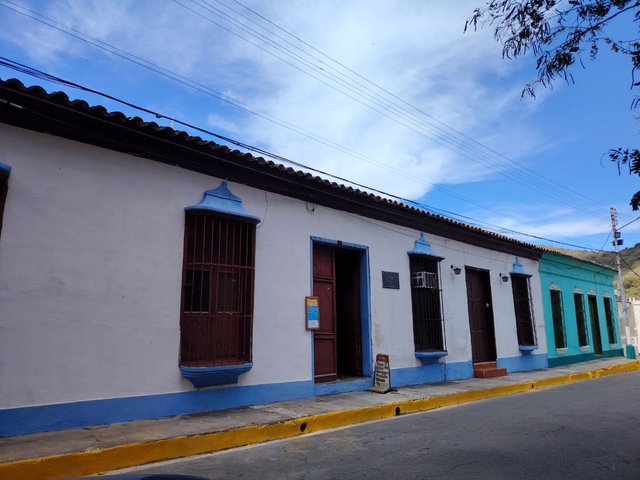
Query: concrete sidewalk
(107, 447)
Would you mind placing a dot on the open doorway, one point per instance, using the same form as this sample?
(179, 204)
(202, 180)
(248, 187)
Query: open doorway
(337, 284)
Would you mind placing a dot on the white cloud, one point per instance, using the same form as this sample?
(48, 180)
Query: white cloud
(414, 49)
(548, 221)
(218, 123)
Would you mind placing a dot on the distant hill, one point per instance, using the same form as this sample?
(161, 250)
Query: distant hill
(630, 261)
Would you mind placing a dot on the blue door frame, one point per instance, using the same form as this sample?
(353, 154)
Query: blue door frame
(365, 303)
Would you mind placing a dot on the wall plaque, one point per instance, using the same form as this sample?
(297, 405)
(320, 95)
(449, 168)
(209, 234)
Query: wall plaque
(312, 309)
(382, 375)
(391, 280)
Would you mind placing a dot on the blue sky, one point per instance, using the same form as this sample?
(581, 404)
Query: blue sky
(456, 135)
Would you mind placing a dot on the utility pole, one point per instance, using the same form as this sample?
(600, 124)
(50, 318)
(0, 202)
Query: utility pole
(617, 241)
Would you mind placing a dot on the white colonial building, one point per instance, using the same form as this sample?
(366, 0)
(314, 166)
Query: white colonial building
(146, 273)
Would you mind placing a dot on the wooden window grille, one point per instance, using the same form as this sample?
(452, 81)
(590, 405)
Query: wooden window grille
(524, 312)
(217, 294)
(608, 312)
(558, 319)
(581, 320)
(426, 301)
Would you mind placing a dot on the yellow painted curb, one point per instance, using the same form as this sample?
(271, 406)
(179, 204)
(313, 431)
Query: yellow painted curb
(104, 460)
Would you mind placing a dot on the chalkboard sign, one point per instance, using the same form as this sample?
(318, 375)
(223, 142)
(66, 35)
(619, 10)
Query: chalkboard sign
(391, 280)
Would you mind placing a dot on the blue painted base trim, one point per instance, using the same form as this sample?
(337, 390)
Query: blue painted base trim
(523, 363)
(202, 377)
(342, 386)
(44, 418)
(459, 370)
(25, 420)
(431, 373)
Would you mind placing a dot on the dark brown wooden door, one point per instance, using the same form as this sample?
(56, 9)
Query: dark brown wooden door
(595, 324)
(324, 339)
(349, 343)
(483, 340)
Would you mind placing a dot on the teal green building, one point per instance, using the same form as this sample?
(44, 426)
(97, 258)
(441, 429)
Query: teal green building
(580, 313)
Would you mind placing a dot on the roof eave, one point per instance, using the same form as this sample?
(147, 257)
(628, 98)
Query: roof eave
(35, 109)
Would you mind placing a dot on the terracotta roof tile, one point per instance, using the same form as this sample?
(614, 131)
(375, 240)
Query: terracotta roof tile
(137, 123)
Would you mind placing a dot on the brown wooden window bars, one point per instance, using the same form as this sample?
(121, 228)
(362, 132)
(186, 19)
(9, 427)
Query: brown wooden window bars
(426, 301)
(523, 310)
(217, 294)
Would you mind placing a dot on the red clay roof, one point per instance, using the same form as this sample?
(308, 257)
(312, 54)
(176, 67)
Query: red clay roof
(61, 99)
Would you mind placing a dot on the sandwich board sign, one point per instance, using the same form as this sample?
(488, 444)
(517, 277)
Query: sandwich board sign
(382, 375)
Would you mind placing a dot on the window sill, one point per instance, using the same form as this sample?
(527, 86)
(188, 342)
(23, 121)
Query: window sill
(561, 351)
(202, 377)
(430, 357)
(527, 348)
(585, 348)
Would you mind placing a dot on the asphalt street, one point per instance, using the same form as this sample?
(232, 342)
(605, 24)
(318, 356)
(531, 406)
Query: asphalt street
(585, 430)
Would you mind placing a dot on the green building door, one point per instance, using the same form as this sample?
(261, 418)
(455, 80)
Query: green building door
(595, 325)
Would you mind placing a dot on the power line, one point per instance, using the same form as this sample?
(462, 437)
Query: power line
(249, 109)
(448, 246)
(158, 156)
(317, 189)
(45, 76)
(566, 266)
(377, 86)
(50, 77)
(459, 148)
(605, 242)
(628, 223)
(243, 106)
(39, 74)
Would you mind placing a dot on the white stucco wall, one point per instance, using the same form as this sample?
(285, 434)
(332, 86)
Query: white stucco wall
(91, 264)
(633, 315)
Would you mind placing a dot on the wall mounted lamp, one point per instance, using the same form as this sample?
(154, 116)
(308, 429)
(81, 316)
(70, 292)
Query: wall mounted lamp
(456, 270)
(503, 277)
